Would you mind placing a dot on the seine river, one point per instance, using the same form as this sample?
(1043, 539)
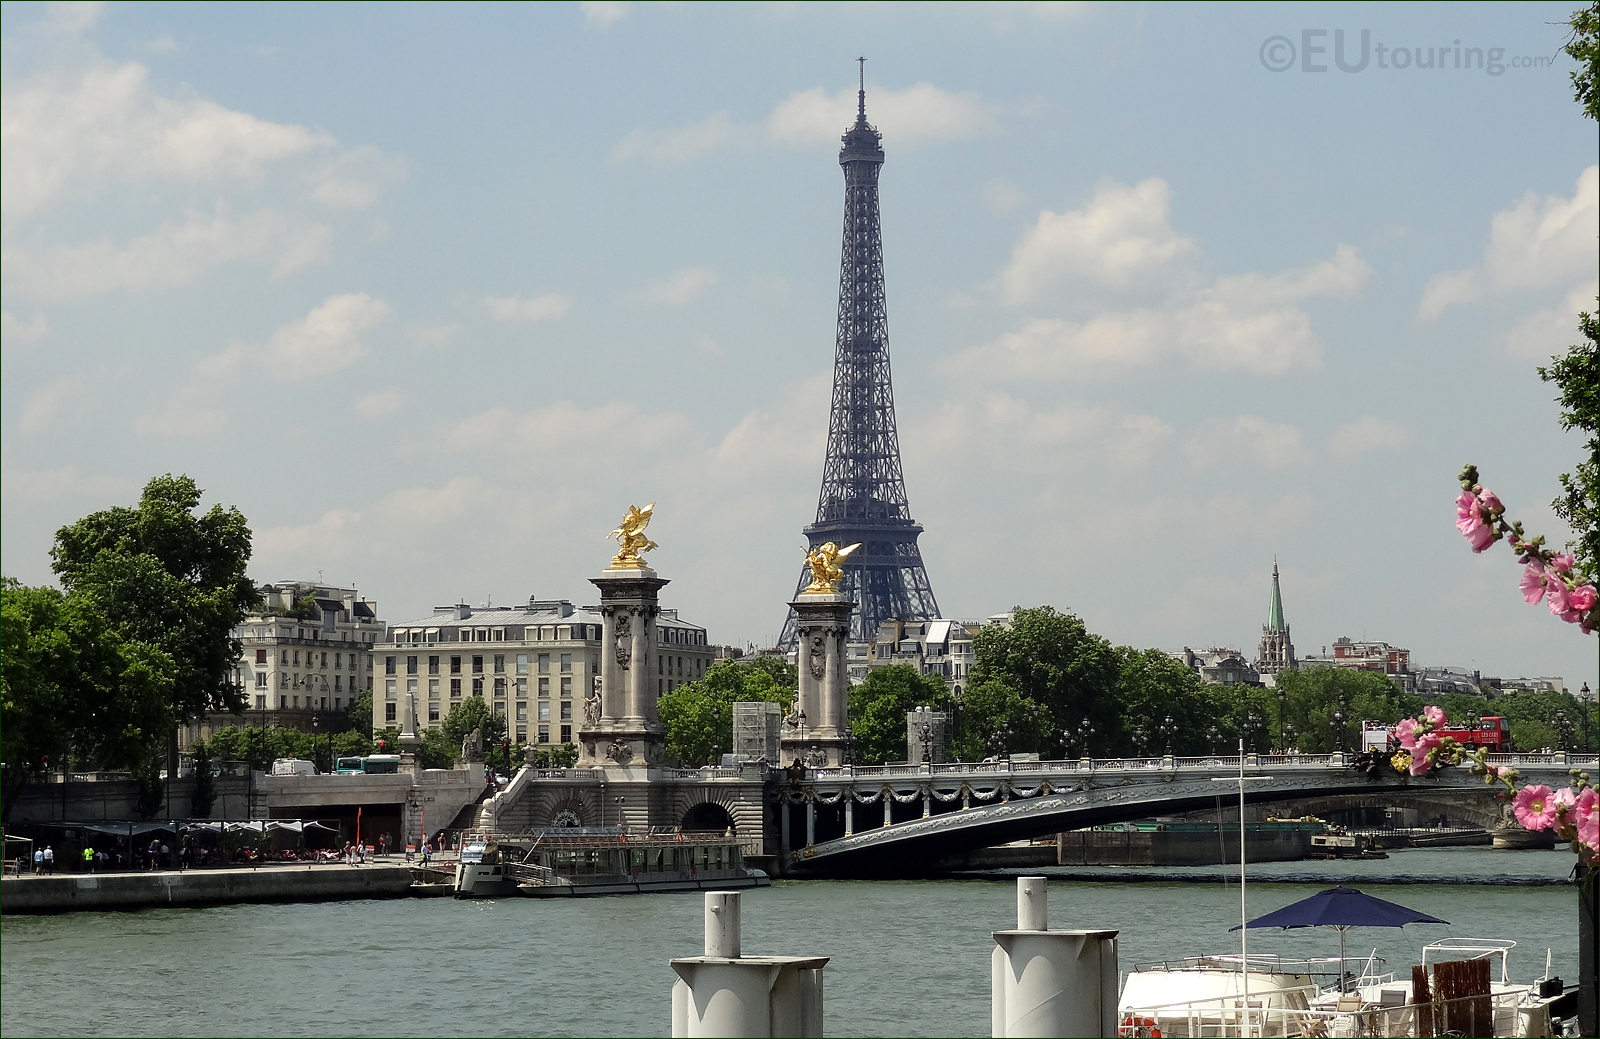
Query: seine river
(908, 958)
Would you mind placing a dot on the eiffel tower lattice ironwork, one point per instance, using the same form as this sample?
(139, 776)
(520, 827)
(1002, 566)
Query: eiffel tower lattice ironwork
(863, 497)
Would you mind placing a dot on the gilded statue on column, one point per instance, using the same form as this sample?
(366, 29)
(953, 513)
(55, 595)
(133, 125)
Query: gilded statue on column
(826, 572)
(630, 538)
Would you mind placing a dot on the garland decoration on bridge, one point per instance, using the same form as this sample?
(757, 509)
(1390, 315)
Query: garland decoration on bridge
(1546, 575)
(1571, 812)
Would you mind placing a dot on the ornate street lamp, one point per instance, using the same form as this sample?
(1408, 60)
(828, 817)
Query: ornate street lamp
(1168, 730)
(1562, 728)
(1213, 734)
(316, 732)
(1086, 733)
(999, 740)
(1336, 723)
(1283, 696)
(1140, 740)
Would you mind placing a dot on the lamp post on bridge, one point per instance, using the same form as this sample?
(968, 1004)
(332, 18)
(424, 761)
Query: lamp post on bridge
(1140, 740)
(1563, 729)
(1213, 734)
(1585, 700)
(1168, 730)
(316, 740)
(1253, 723)
(999, 740)
(1283, 697)
(1336, 723)
(1289, 735)
(1086, 734)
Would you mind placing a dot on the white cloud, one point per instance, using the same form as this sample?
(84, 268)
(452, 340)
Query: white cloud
(66, 135)
(918, 113)
(189, 412)
(678, 144)
(1001, 196)
(1550, 331)
(1249, 323)
(1541, 242)
(809, 117)
(542, 307)
(502, 430)
(40, 486)
(679, 287)
(328, 339)
(72, 18)
(1005, 432)
(603, 13)
(1245, 441)
(1122, 234)
(16, 332)
(428, 335)
(45, 404)
(381, 403)
(1366, 435)
(173, 254)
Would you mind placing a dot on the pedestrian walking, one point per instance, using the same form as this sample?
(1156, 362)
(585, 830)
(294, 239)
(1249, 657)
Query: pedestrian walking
(38, 861)
(49, 859)
(88, 860)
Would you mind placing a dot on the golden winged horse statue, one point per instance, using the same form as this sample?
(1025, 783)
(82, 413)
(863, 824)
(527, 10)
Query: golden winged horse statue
(630, 538)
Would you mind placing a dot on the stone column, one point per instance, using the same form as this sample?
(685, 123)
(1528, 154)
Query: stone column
(628, 732)
(822, 622)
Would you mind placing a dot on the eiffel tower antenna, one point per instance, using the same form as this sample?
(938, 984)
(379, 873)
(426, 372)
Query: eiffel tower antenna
(863, 496)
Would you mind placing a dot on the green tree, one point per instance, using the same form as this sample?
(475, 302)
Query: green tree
(358, 716)
(1162, 699)
(204, 796)
(878, 710)
(1576, 375)
(993, 718)
(73, 689)
(1052, 659)
(698, 715)
(162, 575)
(1314, 695)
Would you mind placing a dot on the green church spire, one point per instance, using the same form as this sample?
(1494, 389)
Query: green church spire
(1275, 611)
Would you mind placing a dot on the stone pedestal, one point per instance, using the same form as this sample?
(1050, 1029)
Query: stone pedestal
(623, 730)
(816, 733)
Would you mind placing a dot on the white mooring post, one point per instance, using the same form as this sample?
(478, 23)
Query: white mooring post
(725, 994)
(1051, 983)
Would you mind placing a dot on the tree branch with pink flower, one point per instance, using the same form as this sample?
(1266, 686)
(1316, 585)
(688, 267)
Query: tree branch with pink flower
(1570, 811)
(1547, 575)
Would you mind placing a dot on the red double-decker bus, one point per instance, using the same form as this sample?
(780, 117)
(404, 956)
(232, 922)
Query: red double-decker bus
(1492, 732)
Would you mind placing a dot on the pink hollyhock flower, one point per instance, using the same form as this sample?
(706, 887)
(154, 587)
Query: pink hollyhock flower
(1434, 715)
(1406, 733)
(1582, 598)
(1534, 807)
(1469, 520)
(1564, 799)
(1489, 501)
(1424, 754)
(1584, 806)
(1558, 597)
(1532, 583)
(1562, 563)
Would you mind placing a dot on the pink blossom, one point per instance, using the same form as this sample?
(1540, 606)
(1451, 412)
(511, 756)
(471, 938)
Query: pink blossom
(1469, 520)
(1427, 749)
(1406, 733)
(1582, 598)
(1534, 808)
(1434, 715)
(1564, 799)
(1562, 563)
(1533, 583)
(1558, 597)
(1583, 807)
(1487, 498)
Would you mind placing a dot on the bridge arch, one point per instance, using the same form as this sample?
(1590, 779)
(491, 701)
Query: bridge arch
(708, 815)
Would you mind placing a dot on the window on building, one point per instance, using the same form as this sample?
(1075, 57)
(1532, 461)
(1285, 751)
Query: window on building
(338, 702)
(411, 686)
(522, 688)
(500, 708)
(566, 734)
(455, 665)
(411, 665)
(477, 665)
(283, 679)
(261, 679)
(544, 734)
(544, 663)
(477, 687)
(522, 711)
(499, 663)
(566, 662)
(566, 688)
(433, 689)
(544, 710)
(544, 688)
(433, 713)
(294, 701)
(522, 663)
(389, 665)
(389, 712)
(261, 657)
(324, 658)
(261, 703)
(390, 689)
(455, 688)
(566, 710)
(338, 681)
(433, 665)
(283, 656)
(283, 703)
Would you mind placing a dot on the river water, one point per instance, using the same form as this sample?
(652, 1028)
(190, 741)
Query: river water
(908, 957)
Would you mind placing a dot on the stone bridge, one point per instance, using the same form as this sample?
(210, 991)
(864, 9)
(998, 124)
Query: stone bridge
(901, 820)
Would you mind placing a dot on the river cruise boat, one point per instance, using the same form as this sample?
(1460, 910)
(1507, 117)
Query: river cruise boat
(568, 862)
(1205, 996)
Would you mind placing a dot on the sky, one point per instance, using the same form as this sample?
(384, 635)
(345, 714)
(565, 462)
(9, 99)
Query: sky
(432, 293)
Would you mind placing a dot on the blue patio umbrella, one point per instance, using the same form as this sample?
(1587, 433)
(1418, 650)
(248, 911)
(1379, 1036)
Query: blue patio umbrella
(1342, 908)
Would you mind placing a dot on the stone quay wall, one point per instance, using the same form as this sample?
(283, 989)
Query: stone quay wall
(276, 883)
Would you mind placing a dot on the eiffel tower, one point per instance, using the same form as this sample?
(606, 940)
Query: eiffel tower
(863, 496)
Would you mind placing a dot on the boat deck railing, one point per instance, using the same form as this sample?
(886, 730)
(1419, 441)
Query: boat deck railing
(1287, 1012)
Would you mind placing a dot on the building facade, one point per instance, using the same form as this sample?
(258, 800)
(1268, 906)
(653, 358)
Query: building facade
(938, 647)
(1219, 666)
(307, 654)
(535, 664)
